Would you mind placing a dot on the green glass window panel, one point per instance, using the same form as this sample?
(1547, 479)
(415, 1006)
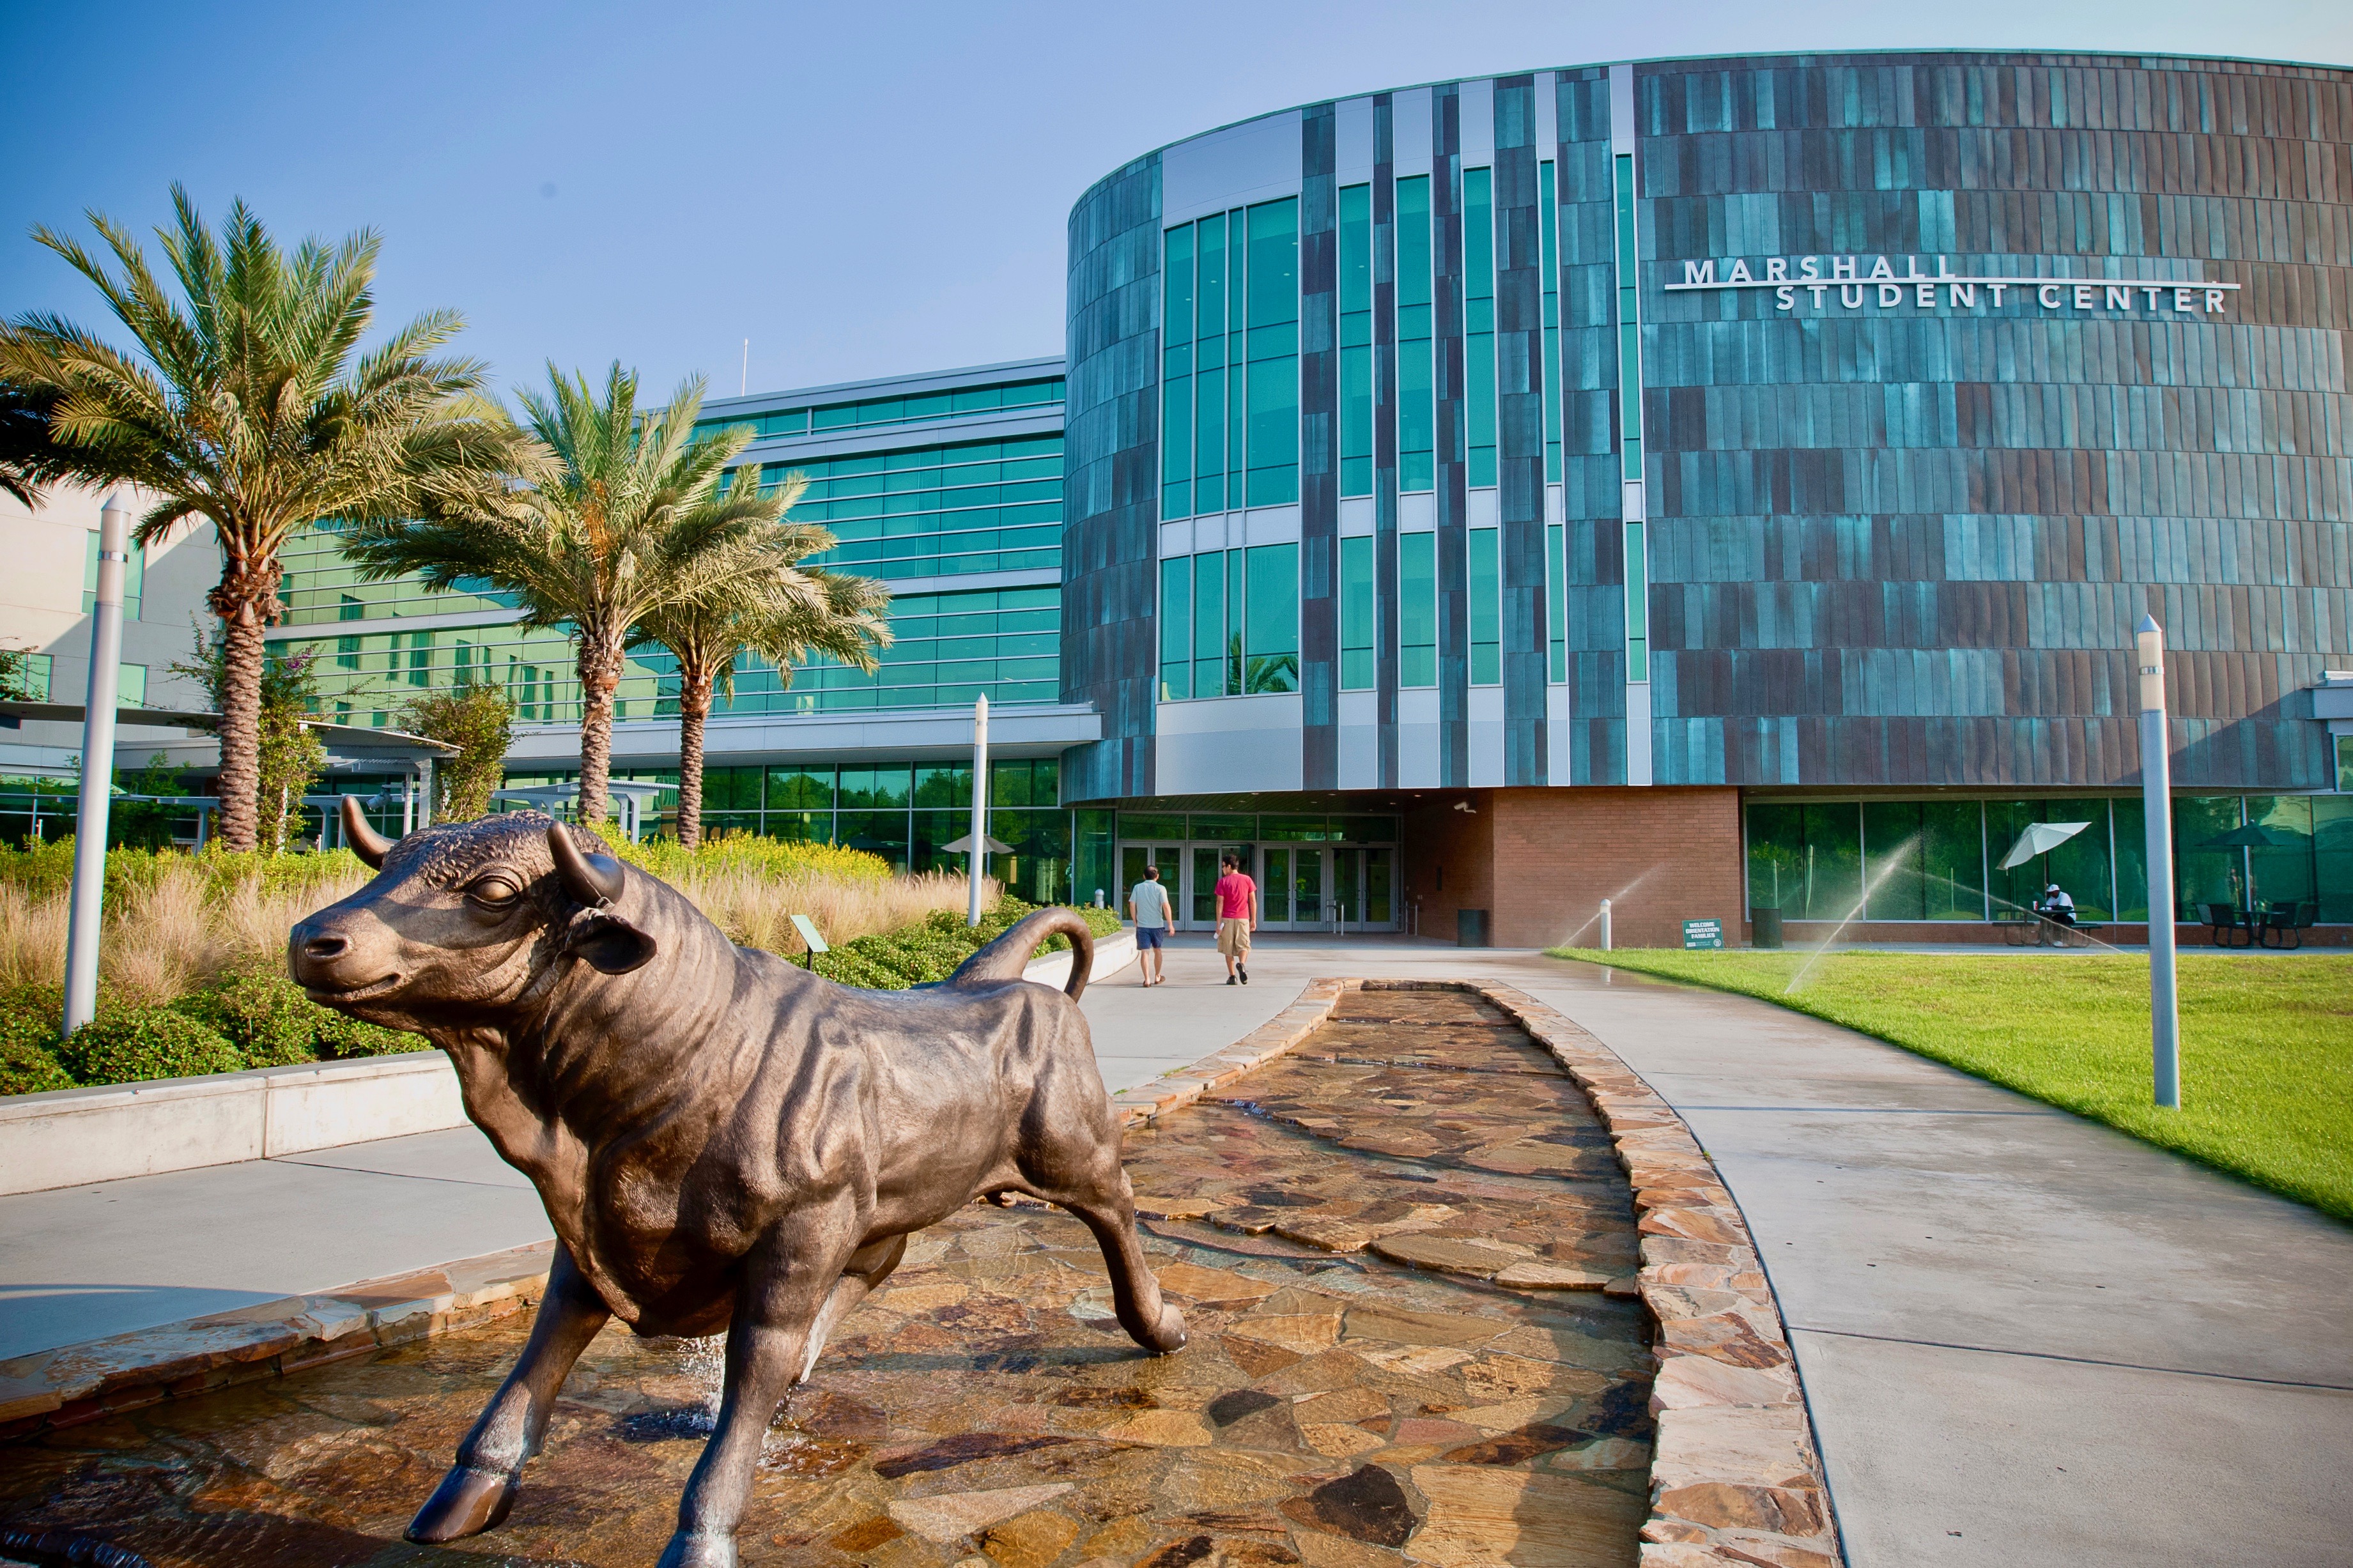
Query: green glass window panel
(1135, 826)
(1483, 572)
(1891, 843)
(731, 789)
(1274, 229)
(1176, 628)
(1417, 609)
(944, 785)
(1417, 412)
(1209, 625)
(1008, 785)
(1210, 438)
(1625, 190)
(1637, 605)
(1270, 637)
(2282, 873)
(1209, 293)
(2205, 876)
(1952, 861)
(1223, 827)
(1833, 863)
(719, 824)
(1479, 323)
(1296, 829)
(1355, 421)
(1413, 240)
(1555, 603)
(884, 785)
(1234, 608)
(883, 833)
(2080, 866)
(1356, 224)
(2345, 764)
(1176, 284)
(1273, 431)
(802, 788)
(1357, 589)
(2130, 828)
(1777, 856)
(2332, 856)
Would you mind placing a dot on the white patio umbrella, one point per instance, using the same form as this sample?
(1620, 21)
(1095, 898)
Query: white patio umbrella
(964, 846)
(2041, 838)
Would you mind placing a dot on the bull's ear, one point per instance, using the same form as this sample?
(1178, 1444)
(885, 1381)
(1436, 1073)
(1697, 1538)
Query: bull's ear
(609, 943)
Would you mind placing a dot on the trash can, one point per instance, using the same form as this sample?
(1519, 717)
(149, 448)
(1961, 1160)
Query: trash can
(1764, 927)
(1471, 928)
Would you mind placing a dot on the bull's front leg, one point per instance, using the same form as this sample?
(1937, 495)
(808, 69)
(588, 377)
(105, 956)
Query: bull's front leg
(476, 1495)
(786, 1281)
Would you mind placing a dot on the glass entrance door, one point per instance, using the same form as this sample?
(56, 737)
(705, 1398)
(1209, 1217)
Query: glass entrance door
(1201, 890)
(1363, 895)
(1170, 858)
(1292, 883)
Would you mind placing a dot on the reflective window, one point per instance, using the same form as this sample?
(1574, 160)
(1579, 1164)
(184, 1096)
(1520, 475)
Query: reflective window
(1417, 609)
(1358, 590)
(1176, 628)
(1271, 632)
(1479, 324)
(1355, 240)
(1417, 411)
(1483, 579)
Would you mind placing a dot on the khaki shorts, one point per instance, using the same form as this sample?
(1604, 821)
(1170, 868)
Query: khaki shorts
(1233, 938)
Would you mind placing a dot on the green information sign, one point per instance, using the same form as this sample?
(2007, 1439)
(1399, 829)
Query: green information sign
(1702, 934)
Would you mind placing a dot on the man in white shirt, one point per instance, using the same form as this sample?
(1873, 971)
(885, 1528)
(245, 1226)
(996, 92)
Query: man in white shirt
(1147, 906)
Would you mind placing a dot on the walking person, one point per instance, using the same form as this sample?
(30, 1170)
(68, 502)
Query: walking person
(1147, 906)
(1237, 918)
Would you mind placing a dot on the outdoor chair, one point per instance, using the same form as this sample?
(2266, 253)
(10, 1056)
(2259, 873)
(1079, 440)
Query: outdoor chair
(2223, 920)
(2288, 922)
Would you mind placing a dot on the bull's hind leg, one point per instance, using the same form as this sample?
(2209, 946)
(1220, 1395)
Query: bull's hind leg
(867, 1268)
(477, 1493)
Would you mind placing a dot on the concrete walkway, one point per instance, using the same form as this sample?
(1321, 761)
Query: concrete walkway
(2026, 1340)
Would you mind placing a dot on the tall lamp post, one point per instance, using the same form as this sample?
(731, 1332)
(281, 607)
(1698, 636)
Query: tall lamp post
(97, 767)
(977, 857)
(2156, 815)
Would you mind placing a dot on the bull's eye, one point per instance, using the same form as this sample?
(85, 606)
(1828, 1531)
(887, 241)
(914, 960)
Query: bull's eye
(493, 892)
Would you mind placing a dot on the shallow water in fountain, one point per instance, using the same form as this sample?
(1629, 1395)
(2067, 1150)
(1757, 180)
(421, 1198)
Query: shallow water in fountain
(1366, 1382)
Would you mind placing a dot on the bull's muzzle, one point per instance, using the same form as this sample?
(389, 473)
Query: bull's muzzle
(323, 960)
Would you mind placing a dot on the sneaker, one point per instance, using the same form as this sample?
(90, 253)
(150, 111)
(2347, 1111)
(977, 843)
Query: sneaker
(1243, 972)
(1230, 980)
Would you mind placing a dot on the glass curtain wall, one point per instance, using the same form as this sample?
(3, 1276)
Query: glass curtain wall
(1417, 609)
(1356, 613)
(1478, 326)
(1941, 860)
(979, 506)
(867, 412)
(1485, 577)
(1230, 361)
(1230, 623)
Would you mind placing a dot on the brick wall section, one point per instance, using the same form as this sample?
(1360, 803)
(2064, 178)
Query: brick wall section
(1665, 855)
(1458, 844)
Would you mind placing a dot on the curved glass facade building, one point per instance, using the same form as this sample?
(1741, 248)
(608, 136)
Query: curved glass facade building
(1740, 478)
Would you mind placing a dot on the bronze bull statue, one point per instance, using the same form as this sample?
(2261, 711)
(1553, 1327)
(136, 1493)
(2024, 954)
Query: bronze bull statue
(722, 1140)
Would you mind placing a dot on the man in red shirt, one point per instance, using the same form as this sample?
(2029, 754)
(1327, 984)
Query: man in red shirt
(1237, 918)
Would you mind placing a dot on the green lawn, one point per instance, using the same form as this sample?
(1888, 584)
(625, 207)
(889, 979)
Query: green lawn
(2267, 1041)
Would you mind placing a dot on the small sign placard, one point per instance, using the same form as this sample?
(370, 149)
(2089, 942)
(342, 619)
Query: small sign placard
(1702, 934)
(807, 929)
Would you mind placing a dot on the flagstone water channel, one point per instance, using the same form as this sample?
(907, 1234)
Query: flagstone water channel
(1405, 1250)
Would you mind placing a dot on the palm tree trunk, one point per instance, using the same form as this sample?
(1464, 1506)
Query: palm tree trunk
(240, 733)
(600, 676)
(693, 707)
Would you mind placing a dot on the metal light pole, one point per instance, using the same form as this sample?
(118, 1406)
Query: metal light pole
(976, 858)
(97, 767)
(2157, 814)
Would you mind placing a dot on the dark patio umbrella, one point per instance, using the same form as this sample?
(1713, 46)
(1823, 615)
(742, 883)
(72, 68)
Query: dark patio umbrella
(2251, 837)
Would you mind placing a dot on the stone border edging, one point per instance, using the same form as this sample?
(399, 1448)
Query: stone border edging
(1175, 1090)
(75, 1383)
(1735, 1474)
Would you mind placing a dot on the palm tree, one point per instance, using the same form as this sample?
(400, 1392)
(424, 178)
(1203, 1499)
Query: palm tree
(775, 606)
(621, 521)
(248, 402)
(28, 456)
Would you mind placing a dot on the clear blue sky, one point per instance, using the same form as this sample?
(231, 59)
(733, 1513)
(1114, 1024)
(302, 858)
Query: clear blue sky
(859, 189)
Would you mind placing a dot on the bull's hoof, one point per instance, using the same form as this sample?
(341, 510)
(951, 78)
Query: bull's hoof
(1169, 1335)
(699, 1551)
(467, 1502)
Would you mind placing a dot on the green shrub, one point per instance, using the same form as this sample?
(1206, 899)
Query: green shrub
(931, 951)
(265, 1017)
(29, 1068)
(342, 1036)
(136, 1043)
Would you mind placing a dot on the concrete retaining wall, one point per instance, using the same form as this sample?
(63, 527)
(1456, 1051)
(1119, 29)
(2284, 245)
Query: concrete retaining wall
(72, 1136)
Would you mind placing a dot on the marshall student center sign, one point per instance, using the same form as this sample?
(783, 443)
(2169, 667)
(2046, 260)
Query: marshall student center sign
(1822, 276)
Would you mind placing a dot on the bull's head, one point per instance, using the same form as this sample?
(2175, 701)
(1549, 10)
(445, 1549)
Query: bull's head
(465, 920)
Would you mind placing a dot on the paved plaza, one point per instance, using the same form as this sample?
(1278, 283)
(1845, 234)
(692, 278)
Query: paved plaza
(2026, 1339)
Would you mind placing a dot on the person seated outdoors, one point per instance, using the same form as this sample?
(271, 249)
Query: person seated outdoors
(2056, 907)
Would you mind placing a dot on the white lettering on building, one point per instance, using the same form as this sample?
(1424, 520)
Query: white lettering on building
(1789, 276)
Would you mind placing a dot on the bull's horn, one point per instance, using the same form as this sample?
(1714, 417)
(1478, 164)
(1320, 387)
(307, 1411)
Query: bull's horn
(591, 879)
(366, 843)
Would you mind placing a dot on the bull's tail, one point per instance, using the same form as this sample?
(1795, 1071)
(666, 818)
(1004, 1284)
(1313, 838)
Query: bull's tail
(1005, 958)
